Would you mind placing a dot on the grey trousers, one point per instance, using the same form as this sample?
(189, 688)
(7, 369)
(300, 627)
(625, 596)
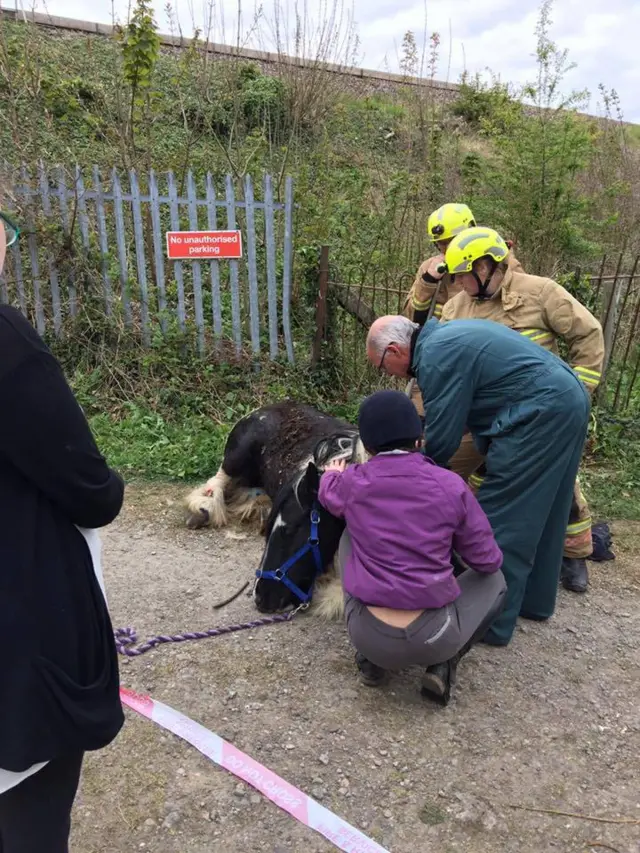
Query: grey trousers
(433, 637)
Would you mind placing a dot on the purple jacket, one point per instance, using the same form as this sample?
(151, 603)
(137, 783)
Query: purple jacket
(405, 515)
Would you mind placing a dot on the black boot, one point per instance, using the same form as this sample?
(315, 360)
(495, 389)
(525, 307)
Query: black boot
(370, 674)
(574, 575)
(438, 680)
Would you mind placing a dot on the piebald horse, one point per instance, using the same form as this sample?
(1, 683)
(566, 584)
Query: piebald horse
(270, 473)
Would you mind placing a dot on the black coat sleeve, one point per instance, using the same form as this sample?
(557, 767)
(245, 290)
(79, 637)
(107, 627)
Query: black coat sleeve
(45, 435)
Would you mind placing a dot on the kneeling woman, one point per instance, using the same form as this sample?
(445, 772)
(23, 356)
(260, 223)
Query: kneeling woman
(405, 517)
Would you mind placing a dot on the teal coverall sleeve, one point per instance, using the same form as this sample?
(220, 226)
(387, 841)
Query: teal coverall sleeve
(447, 400)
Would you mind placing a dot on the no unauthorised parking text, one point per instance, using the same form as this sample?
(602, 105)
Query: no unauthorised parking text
(203, 245)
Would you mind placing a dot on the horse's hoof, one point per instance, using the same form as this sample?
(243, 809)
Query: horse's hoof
(195, 522)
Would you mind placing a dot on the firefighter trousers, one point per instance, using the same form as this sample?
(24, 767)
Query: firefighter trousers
(532, 463)
(468, 463)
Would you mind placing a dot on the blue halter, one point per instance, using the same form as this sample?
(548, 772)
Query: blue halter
(312, 544)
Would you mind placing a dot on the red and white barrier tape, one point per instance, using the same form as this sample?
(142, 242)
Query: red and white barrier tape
(299, 805)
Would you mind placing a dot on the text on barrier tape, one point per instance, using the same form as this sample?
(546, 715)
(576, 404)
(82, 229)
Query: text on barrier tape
(298, 804)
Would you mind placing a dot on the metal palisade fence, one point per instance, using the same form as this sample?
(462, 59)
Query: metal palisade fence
(612, 294)
(102, 238)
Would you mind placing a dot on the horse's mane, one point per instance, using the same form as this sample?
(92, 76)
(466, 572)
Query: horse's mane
(339, 445)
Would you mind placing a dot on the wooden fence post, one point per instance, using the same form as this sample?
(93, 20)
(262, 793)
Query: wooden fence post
(321, 305)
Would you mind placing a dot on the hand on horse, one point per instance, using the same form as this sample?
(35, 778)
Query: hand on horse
(336, 465)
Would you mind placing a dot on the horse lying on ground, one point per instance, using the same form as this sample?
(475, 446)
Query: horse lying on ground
(281, 450)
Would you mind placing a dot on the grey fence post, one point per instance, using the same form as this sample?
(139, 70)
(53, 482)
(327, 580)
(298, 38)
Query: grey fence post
(53, 272)
(254, 307)
(141, 266)
(33, 256)
(104, 245)
(17, 268)
(286, 269)
(197, 273)
(177, 265)
(216, 306)
(233, 268)
(122, 248)
(272, 291)
(83, 219)
(64, 218)
(158, 249)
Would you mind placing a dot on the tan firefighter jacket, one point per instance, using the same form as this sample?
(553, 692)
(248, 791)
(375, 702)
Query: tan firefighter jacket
(419, 297)
(543, 311)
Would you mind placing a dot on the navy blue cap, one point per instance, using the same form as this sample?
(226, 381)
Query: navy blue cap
(388, 418)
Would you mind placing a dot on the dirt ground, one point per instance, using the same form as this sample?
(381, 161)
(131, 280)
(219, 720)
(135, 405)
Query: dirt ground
(551, 722)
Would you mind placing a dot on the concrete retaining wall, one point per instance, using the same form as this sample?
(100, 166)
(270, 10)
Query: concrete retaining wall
(364, 81)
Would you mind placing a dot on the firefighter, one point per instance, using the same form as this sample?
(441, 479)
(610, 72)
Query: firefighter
(442, 226)
(543, 311)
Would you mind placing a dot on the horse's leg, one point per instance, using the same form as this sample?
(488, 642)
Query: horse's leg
(328, 598)
(207, 505)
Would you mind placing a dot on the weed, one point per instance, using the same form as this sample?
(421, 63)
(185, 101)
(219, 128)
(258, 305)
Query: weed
(432, 815)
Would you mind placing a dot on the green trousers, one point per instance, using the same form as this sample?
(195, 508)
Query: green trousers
(532, 461)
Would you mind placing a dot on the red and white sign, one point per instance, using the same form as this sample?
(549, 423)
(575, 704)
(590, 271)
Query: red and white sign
(203, 245)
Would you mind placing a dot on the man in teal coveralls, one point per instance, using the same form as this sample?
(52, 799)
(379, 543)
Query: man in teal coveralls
(529, 413)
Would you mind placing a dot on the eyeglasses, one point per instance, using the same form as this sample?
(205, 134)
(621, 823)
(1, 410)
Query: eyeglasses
(11, 229)
(386, 350)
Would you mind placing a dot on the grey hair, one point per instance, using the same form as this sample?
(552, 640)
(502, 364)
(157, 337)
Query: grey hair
(396, 330)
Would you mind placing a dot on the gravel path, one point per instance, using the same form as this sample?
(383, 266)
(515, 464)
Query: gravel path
(551, 722)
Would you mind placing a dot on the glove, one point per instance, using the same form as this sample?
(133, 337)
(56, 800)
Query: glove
(432, 276)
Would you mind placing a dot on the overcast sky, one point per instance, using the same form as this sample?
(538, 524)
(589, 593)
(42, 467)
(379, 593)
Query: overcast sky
(602, 37)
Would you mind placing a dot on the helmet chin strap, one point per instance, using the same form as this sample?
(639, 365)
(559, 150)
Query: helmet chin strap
(483, 285)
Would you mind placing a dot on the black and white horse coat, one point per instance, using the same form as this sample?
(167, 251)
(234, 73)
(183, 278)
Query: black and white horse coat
(271, 471)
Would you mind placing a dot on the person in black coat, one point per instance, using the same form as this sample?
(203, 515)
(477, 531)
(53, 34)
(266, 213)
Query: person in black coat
(59, 681)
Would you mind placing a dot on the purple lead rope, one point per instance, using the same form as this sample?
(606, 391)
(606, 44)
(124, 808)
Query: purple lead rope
(126, 638)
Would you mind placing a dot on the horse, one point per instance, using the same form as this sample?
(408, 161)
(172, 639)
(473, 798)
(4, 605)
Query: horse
(270, 472)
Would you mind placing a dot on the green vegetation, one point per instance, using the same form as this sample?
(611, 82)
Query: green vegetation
(368, 169)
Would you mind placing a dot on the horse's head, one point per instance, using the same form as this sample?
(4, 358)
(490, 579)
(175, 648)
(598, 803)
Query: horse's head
(302, 537)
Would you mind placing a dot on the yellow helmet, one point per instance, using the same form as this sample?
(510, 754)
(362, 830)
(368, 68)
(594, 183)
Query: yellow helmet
(472, 244)
(449, 220)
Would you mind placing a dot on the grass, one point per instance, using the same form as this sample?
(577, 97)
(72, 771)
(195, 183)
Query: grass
(613, 490)
(143, 443)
